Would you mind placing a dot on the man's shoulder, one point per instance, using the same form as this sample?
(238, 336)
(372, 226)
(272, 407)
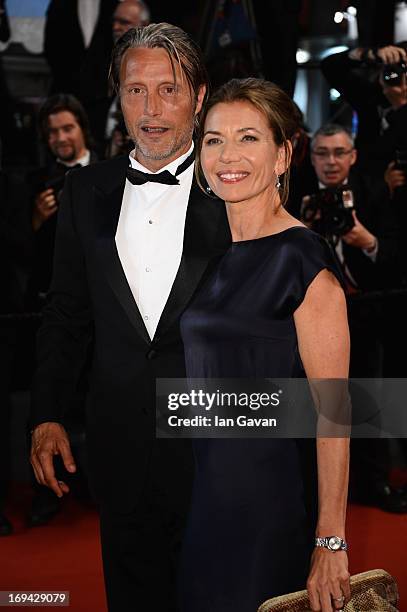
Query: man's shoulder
(103, 174)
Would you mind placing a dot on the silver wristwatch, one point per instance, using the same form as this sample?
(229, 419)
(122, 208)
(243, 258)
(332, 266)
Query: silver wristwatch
(332, 543)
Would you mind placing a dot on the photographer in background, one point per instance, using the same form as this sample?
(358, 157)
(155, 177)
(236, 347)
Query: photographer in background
(64, 129)
(373, 82)
(355, 216)
(364, 231)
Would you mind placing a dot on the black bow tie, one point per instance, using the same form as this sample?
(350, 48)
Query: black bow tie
(137, 177)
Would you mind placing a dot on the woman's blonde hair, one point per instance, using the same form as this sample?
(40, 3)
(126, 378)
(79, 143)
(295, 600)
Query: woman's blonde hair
(276, 106)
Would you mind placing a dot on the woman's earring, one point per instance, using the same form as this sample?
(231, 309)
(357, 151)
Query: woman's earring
(278, 184)
(208, 189)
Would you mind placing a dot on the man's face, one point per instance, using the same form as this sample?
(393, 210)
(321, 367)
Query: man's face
(158, 109)
(65, 136)
(332, 158)
(128, 14)
(397, 96)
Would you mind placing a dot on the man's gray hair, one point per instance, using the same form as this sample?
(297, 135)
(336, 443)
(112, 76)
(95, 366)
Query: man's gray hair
(180, 47)
(331, 129)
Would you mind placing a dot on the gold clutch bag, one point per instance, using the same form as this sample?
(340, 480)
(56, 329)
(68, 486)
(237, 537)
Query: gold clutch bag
(373, 591)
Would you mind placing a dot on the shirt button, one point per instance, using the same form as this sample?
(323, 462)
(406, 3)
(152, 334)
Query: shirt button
(150, 221)
(148, 270)
(146, 318)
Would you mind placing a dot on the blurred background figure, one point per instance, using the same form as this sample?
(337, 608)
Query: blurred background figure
(373, 82)
(279, 48)
(129, 14)
(15, 255)
(64, 130)
(6, 104)
(302, 175)
(77, 47)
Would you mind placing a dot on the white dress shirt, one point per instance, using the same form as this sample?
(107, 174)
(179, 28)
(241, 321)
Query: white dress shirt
(83, 161)
(149, 238)
(88, 15)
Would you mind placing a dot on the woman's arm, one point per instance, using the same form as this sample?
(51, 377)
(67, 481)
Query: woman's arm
(324, 345)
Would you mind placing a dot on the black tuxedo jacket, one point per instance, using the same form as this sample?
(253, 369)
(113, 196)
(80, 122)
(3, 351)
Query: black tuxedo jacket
(374, 210)
(76, 70)
(44, 238)
(91, 308)
(16, 244)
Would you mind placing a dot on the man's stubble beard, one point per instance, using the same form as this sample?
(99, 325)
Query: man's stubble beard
(66, 158)
(176, 145)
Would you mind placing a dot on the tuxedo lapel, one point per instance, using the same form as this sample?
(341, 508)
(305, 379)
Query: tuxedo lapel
(108, 201)
(206, 236)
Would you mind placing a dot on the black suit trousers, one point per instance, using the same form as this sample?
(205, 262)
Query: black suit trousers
(141, 546)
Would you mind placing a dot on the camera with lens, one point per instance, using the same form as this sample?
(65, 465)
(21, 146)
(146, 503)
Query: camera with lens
(329, 211)
(392, 74)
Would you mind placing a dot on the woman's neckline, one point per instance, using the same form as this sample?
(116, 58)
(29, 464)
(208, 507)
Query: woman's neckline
(287, 229)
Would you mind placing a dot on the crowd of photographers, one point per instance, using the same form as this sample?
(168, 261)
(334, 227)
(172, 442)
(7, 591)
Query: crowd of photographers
(353, 191)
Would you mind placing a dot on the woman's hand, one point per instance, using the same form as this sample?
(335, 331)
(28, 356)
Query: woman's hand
(328, 582)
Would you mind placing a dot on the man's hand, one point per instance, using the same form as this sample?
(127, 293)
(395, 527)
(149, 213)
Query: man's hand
(45, 206)
(49, 439)
(394, 177)
(392, 54)
(328, 582)
(359, 236)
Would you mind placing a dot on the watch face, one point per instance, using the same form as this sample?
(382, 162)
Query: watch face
(334, 543)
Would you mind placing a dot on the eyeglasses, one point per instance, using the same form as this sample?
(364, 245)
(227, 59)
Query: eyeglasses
(335, 153)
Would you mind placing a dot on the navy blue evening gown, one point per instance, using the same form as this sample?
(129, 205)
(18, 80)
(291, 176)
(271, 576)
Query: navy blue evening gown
(252, 519)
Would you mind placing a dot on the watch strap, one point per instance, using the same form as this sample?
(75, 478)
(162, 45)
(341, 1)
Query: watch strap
(324, 542)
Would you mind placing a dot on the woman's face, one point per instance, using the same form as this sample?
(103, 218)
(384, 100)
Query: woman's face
(239, 157)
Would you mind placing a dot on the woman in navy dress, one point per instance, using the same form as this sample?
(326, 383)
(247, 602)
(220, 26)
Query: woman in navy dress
(273, 307)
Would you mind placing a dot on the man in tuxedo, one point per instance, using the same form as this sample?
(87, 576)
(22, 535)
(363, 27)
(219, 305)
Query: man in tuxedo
(77, 47)
(135, 238)
(368, 255)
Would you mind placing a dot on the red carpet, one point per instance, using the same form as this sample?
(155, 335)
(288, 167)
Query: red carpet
(65, 555)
